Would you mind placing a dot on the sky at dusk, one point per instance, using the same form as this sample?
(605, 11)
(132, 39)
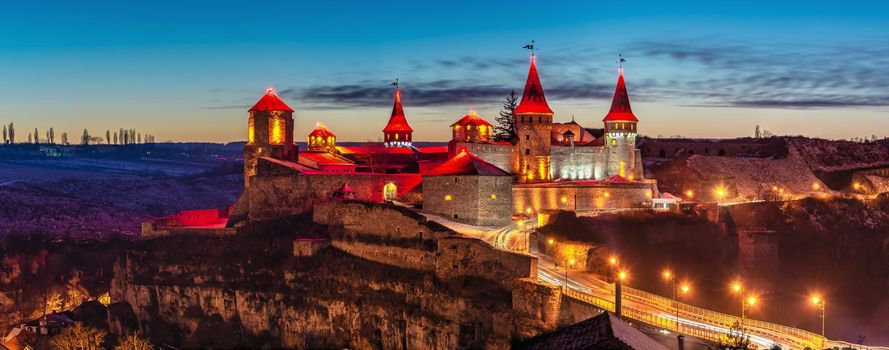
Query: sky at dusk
(189, 70)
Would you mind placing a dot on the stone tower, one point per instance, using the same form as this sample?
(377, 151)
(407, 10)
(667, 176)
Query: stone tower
(620, 135)
(269, 133)
(533, 122)
(397, 132)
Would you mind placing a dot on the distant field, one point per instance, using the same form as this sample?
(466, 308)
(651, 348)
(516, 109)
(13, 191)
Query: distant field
(93, 198)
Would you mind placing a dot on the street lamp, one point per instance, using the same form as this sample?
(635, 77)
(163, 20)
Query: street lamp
(819, 303)
(570, 263)
(684, 289)
(619, 277)
(746, 301)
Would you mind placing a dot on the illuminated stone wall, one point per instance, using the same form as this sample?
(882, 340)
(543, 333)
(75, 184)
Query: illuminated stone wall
(534, 147)
(478, 200)
(531, 198)
(462, 256)
(270, 134)
(578, 163)
(501, 156)
(620, 153)
(278, 195)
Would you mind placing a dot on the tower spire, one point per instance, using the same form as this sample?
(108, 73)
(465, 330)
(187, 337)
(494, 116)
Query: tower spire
(397, 132)
(620, 104)
(533, 100)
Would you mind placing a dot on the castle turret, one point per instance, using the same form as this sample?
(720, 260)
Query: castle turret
(269, 133)
(321, 139)
(397, 132)
(533, 122)
(620, 134)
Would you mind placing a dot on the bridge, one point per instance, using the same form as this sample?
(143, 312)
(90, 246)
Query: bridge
(648, 308)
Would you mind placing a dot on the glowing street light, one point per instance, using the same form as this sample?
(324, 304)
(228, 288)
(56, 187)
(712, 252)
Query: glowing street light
(669, 276)
(816, 186)
(819, 302)
(620, 276)
(689, 194)
(747, 301)
(568, 263)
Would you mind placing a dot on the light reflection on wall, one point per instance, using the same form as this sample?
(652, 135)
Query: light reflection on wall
(276, 134)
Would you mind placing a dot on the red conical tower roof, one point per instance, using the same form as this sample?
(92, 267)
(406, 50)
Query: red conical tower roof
(397, 122)
(620, 105)
(271, 102)
(533, 100)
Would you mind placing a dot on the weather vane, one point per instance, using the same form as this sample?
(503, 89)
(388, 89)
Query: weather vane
(620, 60)
(530, 47)
(395, 83)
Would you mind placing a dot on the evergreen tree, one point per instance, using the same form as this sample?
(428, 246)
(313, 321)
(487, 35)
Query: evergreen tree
(11, 133)
(36, 136)
(505, 128)
(85, 139)
(52, 136)
(5, 135)
(139, 138)
(29, 138)
(65, 138)
(115, 137)
(108, 136)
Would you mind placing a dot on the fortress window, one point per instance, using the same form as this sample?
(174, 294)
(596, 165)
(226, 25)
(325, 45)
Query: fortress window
(613, 142)
(527, 137)
(493, 196)
(539, 119)
(527, 151)
(447, 197)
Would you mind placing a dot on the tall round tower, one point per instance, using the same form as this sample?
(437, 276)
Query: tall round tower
(620, 134)
(269, 133)
(533, 123)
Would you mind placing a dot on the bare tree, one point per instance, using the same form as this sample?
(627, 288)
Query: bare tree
(79, 337)
(133, 342)
(85, 139)
(375, 156)
(64, 138)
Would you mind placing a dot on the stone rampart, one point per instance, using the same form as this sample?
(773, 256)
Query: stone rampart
(463, 256)
(274, 196)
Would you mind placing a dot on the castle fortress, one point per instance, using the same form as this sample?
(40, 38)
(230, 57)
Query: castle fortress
(474, 179)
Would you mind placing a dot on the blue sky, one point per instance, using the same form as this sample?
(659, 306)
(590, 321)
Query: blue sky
(188, 70)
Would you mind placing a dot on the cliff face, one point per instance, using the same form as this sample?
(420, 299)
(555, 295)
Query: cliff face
(250, 290)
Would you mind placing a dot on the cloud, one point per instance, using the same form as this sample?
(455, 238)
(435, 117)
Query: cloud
(432, 93)
(699, 72)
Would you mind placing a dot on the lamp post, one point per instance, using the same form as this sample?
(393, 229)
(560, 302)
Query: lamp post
(670, 276)
(568, 263)
(619, 276)
(819, 303)
(746, 301)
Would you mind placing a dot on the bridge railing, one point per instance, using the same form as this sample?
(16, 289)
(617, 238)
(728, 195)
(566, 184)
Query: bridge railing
(783, 334)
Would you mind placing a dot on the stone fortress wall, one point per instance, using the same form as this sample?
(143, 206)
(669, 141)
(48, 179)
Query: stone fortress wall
(534, 198)
(478, 200)
(274, 196)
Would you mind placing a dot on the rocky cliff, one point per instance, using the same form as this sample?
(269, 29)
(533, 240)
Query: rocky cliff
(251, 290)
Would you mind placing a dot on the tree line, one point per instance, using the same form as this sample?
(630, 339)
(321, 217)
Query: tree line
(120, 137)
